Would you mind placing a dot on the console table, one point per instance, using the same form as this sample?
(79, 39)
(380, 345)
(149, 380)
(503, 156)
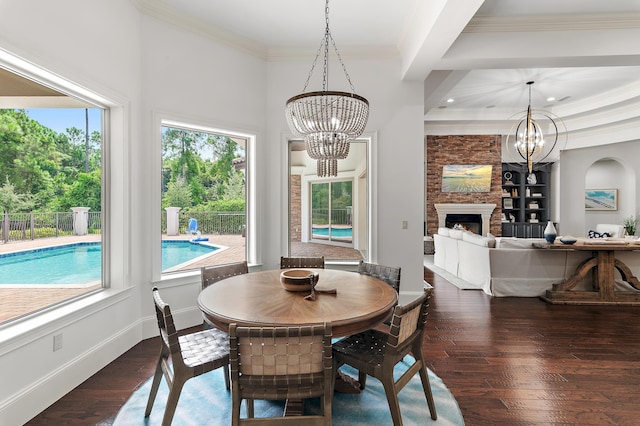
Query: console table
(602, 265)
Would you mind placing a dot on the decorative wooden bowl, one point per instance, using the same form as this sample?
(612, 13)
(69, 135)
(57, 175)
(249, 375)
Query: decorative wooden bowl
(298, 279)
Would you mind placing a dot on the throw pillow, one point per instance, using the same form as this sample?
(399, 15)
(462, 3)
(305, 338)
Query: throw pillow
(594, 234)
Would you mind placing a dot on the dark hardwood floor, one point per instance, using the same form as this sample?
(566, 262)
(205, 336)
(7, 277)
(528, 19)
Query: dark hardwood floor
(508, 361)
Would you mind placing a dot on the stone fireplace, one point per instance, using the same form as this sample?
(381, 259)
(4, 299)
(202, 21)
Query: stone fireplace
(465, 213)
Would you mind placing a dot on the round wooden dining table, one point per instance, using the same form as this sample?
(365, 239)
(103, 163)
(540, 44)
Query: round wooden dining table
(258, 299)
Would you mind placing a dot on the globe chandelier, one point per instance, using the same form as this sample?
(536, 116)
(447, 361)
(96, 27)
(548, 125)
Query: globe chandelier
(526, 140)
(327, 120)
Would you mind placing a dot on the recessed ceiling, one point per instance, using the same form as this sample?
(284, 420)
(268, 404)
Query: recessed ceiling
(479, 53)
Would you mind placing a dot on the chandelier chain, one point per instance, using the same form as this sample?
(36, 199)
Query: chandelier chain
(324, 48)
(327, 35)
(344, 68)
(313, 65)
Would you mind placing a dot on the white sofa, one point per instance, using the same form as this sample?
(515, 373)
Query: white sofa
(504, 266)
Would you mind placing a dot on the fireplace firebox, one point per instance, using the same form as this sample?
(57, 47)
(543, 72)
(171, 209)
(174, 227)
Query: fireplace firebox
(481, 209)
(469, 222)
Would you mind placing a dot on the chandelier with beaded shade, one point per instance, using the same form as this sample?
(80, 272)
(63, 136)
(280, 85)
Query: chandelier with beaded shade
(327, 120)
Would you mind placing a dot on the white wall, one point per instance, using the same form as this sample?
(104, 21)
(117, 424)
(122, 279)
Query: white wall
(94, 45)
(608, 174)
(149, 70)
(610, 166)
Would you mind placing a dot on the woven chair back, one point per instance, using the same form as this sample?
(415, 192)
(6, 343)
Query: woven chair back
(213, 274)
(166, 325)
(301, 262)
(388, 274)
(407, 323)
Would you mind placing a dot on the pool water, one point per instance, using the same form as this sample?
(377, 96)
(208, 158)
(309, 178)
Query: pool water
(335, 232)
(81, 262)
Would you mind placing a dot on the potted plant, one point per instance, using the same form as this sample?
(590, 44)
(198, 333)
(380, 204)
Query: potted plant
(630, 224)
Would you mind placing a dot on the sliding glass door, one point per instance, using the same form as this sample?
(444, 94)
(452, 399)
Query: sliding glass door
(331, 210)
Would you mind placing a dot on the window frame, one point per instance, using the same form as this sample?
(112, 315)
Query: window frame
(370, 253)
(164, 119)
(115, 203)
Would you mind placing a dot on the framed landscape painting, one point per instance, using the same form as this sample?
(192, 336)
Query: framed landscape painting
(462, 178)
(601, 199)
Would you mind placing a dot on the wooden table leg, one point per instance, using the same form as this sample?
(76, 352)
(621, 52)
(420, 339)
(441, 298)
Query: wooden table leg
(606, 279)
(602, 267)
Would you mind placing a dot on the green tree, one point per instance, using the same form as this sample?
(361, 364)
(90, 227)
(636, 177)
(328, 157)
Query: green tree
(182, 147)
(82, 150)
(11, 202)
(10, 137)
(84, 192)
(178, 195)
(29, 155)
(234, 189)
(208, 179)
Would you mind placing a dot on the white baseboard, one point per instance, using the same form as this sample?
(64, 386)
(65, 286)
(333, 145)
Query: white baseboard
(24, 405)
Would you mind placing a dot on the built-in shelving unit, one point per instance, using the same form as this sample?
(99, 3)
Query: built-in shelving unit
(525, 200)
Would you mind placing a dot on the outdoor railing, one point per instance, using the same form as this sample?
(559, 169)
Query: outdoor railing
(338, 216)
(30, 226)
(211, 222)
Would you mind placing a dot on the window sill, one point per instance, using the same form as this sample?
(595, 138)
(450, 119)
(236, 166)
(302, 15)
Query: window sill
(34, 326)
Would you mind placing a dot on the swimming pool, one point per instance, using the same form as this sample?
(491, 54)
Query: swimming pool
(81, 262)
(335, 232)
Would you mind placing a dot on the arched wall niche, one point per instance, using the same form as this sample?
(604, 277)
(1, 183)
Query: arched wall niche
(611, 173)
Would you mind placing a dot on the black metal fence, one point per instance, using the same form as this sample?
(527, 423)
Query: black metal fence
(338, 216)
(222, 223)
(30, 226)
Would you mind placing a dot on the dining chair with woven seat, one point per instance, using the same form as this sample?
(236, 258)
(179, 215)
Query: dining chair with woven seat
(376, 353)
(301, 262)
(388, 274)
(184, 357)
(278, 363)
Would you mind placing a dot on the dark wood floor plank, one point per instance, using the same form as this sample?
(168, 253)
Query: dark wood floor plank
(508, 361)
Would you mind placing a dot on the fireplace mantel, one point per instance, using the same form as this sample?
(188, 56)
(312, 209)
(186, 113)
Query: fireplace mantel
(484, 210)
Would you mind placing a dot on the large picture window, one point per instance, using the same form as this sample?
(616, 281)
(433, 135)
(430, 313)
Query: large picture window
(51, 197)
(204, 197)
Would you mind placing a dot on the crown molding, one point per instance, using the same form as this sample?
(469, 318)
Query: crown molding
(535, 23)
(162, 12)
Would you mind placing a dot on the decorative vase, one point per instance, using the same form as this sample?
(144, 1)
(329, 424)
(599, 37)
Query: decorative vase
(550, 233)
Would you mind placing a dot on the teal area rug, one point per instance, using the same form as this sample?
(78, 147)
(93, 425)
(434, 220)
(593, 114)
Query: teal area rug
(205, 401)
